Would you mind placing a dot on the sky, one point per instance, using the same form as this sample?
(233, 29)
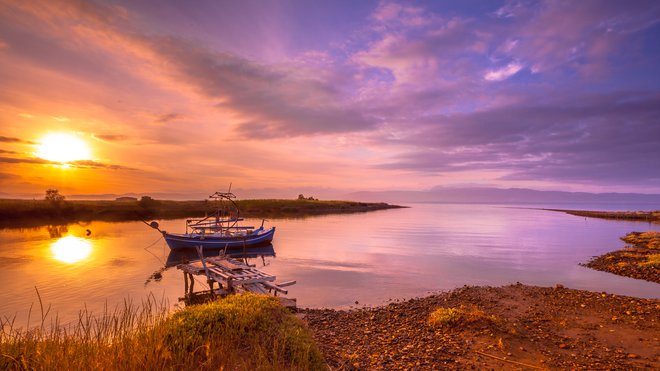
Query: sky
(185, 97)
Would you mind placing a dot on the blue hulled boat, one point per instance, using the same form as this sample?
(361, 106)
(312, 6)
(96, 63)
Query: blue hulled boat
(220, 230)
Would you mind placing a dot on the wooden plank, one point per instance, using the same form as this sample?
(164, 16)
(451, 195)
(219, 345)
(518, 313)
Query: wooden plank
(254, 280)
(220, 273)
(255, 288)
(286, 283)
(228, 263)
(275, 287)
(190, 269)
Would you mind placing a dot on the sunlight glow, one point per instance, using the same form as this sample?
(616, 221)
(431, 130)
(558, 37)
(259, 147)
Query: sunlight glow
(62, 147)
(71, 249)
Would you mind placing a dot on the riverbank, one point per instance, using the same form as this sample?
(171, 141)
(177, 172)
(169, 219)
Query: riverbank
(640, 259)
(511, 327)
(25, 213)
(240, 332)
(646, 216)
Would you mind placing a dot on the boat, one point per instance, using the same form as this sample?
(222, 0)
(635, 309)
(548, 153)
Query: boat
(219, 230)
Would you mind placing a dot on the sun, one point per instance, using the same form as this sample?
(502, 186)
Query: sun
(62, 147)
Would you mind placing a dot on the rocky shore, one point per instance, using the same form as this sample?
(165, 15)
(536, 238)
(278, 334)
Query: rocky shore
(517, 327)
(646, 216)
(641, 259)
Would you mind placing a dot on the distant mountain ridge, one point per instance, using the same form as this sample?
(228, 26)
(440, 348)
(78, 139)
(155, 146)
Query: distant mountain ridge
(498, 195)
(434, 195)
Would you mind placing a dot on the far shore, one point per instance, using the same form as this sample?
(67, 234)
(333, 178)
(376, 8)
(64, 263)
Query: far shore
(33, 213)
(646, 216)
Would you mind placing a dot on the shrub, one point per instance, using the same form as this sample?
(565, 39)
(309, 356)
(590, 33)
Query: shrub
(451, 317)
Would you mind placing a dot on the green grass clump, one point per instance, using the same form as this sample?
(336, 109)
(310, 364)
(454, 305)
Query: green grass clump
(240, 332)
(454, 317)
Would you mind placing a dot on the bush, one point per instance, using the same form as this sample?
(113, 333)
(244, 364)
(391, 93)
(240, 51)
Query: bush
(54, 196)
(451, 317)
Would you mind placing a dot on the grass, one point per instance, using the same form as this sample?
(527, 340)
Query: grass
(649, 216)
(647, 240)
(454, 317)
(39, 212)
(653, 260)
(240, 332)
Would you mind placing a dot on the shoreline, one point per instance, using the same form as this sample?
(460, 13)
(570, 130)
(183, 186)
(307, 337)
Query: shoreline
(646, 216)
(640, 259)
(35, 213)
(517, 326)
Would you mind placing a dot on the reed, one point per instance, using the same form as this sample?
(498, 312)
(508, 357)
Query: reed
(457, 317)
(240, 332)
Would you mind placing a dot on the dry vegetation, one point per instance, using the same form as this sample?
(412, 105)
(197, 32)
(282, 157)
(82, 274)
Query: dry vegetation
(648, 216)
(644, 240)
(640, 259)
(40, 212)
(460, 316)
(241, 332)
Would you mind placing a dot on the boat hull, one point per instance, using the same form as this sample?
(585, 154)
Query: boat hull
(183, 241)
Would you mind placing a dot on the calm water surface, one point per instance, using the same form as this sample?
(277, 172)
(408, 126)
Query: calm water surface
(337, 260)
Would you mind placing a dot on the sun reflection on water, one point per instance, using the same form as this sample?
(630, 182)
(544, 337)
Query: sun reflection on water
(71, 249)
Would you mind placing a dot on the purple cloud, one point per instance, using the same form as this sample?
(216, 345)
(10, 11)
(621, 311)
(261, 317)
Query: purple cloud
(552, 90)
(584, 137)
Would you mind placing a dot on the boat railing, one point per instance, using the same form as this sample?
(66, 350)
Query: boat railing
(223, 228)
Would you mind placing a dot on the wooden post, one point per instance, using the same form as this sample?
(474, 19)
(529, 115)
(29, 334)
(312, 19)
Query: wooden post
(185, 280)
(192, 283)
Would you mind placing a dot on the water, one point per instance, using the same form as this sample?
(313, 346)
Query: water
(337, 260)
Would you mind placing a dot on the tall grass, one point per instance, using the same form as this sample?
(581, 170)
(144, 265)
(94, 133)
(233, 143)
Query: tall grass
(240, 332)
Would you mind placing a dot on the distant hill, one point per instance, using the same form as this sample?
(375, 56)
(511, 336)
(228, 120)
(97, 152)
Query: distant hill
(497, 195)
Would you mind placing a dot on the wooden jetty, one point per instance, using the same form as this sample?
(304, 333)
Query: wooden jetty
(232, 276)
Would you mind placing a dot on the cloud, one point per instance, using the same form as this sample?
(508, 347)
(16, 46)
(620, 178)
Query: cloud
(167, 117)
(265, 100)
(8, 152)
(512, 9)
(7, 176)
(81, 164)
(578, 36)
(412, 83)
(576, 137)
(388, 12)
(110, 137)
(12, 160)
(14, 140)
(504, 72)
(90, 164)
(268, 101)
